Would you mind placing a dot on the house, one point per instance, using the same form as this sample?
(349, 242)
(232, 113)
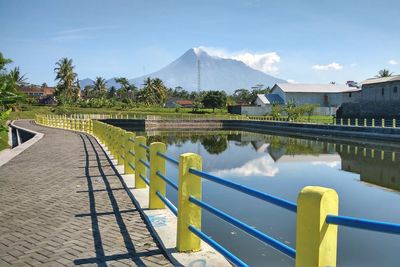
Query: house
(37, 92)
(385, 89)
(268, 99)
(379, 98)
(324, 95)
(174, 102)
(329, 97)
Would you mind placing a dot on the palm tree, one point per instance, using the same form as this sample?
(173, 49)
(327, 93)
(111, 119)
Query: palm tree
(15, 75)
(66, 78)
(384, 73)
(100, 86)
(4, 61)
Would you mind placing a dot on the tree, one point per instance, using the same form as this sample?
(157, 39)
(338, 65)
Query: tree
(215, 144)
(16, 76)
(292, 110)
(154, 92)
(66, 78)
(276, 110)
(87, 90)
(4, 61)
(100, 86)
(384, 73)
(214, 99)
(309, 109)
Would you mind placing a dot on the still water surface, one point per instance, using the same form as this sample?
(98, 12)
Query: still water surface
(367, 179)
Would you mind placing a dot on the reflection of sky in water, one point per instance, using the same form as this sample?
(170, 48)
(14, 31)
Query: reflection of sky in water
(282, 167)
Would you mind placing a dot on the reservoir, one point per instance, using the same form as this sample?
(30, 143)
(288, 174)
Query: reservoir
(366, 177)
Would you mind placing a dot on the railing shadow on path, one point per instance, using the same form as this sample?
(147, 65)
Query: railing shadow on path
(101, 259)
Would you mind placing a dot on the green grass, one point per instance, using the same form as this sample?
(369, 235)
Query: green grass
(3, 140)
(29, 112)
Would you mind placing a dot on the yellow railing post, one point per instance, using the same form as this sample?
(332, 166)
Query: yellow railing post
(356, 122)
(394, 123)
(316, 241)
(129, 158)
(383, 123)
(341, 121)
(140, 154)
(373, 122)
(348, 122)
(365, 122)
(189, 213)
(120, 146)
(157, 164)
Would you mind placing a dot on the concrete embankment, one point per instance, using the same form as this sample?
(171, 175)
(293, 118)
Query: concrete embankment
(294, 129)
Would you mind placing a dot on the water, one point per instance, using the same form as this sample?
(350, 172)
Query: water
(367, 179)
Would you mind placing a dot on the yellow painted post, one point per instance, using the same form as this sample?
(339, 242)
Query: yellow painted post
(120, 146)
(348, 122)
(372, 153)
(316, 241)
(383, 123)
(382, 155)
(356, 122)
(140, 154)
(364, 151)
(365, 122)
(129, 148)
(341, 121)
(393, 156)
(157, 164)
(189, 213)
(373, 122)
(394, 123)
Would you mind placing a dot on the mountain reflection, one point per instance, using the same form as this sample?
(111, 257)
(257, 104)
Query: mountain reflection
(375, 166)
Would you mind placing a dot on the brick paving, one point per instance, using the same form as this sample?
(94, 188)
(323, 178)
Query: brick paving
(62, 204)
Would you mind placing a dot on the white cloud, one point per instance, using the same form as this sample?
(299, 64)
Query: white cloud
(353, 65)
(331, 66)
(332, 164)
(80, 33)
(265, 62)
(291, 81)
(263, 166)
(393, 62)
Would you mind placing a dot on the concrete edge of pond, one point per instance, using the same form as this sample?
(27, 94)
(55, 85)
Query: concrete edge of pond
(8, 154)
(163, 224)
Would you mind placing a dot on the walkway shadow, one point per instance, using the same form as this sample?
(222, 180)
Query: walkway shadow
(101, 259)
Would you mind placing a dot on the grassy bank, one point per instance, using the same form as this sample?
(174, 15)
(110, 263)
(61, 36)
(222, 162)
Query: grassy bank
(29, 112)
(3, 140)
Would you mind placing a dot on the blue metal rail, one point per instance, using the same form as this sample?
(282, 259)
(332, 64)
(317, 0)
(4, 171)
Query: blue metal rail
(131, 165)
(172, 160)
(168, 203)
(145, 147)
(377, 226)
(145, 163)
(246, 228)
(145, 179)
(231, 257)
(167, 180)
(249, 191)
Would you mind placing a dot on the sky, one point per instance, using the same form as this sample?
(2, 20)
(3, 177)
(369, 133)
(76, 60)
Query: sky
(310, 41)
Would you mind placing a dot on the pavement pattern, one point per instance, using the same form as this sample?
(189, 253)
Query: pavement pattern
(63, 204)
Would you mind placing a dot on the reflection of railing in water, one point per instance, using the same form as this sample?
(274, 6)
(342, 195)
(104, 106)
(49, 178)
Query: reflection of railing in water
(316, 208)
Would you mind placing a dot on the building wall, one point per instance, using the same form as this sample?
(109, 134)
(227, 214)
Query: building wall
(373, 92)
(321, 99)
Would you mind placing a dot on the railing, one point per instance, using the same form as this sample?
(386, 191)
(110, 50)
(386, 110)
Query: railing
(327, 120)
(317, 218)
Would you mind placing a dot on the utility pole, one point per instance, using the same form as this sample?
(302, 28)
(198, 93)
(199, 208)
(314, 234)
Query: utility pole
(198, 76)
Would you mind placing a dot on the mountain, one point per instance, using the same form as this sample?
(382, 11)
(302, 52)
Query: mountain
(85, 82)
(215, 73)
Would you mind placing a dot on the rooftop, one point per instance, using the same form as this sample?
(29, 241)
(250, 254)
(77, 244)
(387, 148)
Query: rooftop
(381, 80)
(270, 98)
(315, 88)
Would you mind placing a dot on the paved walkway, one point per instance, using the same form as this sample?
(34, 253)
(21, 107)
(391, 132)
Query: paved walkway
(61, 203)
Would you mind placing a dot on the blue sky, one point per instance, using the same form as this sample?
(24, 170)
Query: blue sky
(314, 41)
